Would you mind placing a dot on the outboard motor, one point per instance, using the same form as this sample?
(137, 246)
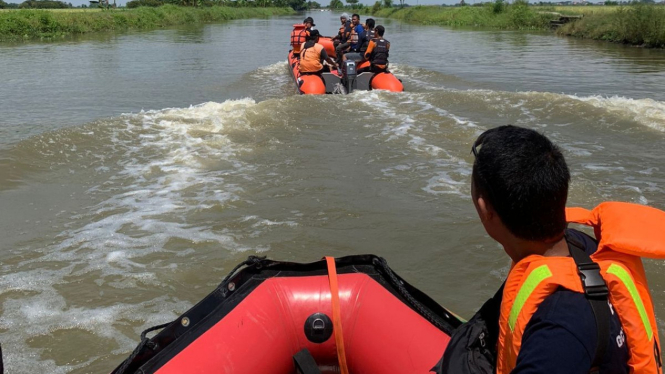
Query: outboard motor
(349, 75)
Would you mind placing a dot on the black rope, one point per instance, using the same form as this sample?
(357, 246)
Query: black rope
(251, 261)
(383, 264)
(144, 342)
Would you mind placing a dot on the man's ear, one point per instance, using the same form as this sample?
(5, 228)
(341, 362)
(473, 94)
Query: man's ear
(485, 210)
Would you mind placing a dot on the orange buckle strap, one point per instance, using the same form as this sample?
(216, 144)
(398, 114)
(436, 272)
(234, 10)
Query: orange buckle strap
(337, 315)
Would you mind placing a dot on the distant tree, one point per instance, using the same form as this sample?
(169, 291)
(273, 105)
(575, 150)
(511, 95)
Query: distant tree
(297, 4)
(376, 7)
(387, 3)
(352, 3)
(3, 5)
(336, 4)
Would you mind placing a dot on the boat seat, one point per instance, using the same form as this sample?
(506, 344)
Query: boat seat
(354, 56)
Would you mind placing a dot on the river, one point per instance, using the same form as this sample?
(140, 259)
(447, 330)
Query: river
(136, 169)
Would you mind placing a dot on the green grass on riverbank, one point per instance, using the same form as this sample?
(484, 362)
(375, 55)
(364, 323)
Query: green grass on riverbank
(498, 15)
(642, 25)
(30, 24)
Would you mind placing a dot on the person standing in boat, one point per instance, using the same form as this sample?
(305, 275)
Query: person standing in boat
(571, 304)
(299, 36)
(377, 51)
(312, 56)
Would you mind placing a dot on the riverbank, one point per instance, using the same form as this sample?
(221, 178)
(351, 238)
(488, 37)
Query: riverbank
(641, 25)
(495, 15)
(26, 24)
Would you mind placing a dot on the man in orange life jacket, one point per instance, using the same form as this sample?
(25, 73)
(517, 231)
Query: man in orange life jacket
(377, 51)
(312, 56)
(554, 313)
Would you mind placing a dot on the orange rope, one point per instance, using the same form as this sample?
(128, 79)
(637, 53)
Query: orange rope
(337, 315)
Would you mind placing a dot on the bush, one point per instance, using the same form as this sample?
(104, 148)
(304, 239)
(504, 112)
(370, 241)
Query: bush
(637, 24)
(498, 6)
(376, 7)
(147, 3)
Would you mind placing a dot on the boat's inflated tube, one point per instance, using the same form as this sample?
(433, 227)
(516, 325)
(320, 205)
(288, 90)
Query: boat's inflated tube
(311, 84)
(387, 81)
(260, 317)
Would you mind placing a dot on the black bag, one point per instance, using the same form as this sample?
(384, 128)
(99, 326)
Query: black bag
(472, 347)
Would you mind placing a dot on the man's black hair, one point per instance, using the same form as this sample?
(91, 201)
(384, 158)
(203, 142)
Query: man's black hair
(524, 177)
(355, 15)
(370, 23)
(380, 30)
(313, 35)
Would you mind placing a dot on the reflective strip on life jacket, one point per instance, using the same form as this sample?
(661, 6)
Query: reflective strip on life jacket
(532, 281)
(628, 282)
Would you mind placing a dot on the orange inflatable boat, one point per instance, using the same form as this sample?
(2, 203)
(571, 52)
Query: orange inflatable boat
(345, 315)
(346, 81)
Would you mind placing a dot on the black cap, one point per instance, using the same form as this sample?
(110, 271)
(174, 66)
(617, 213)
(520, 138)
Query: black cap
(309, 19)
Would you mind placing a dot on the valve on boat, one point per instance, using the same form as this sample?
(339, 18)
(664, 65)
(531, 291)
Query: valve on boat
(349, 73)
(318, 328)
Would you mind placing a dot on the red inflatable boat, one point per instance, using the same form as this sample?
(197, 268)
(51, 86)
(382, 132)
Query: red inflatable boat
(345, 315)
(346, 81)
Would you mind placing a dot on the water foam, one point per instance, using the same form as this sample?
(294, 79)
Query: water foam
(411, 121)
(163, 167)
(648, 112)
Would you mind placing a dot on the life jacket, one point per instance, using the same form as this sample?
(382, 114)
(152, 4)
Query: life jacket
(344, 31)
(298, 37)
(355, 37)
(379, 55)
(310, 58)
(626, 232)
(371, 34)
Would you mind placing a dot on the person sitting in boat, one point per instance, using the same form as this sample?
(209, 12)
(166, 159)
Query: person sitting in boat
(370, 33)
(377, 51)
(299, 36)
(312, 56)
(571, 303)
(356, 35)
(344, 30)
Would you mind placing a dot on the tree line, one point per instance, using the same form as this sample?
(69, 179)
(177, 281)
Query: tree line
(36, 4)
